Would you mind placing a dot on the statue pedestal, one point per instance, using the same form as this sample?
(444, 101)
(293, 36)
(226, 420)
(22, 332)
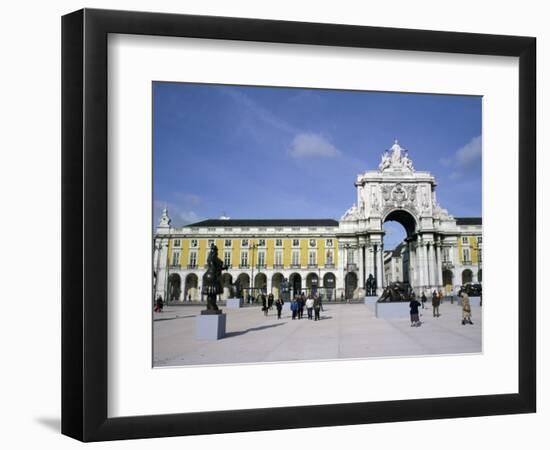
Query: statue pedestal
(210, 326)
(233, 303)
(392, 310)
(370, 302)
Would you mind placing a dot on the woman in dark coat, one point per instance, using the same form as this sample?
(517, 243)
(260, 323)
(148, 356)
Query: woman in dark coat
(279, 306)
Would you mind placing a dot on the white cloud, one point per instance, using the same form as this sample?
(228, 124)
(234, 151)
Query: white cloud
(467, 156)
(312, 145)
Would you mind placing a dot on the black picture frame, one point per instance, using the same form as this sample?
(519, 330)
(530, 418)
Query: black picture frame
(84, 224)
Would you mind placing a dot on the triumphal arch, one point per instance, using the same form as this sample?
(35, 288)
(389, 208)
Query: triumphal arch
(396, 192)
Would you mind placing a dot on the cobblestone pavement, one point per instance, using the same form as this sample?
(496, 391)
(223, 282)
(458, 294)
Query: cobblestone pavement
(344, 331)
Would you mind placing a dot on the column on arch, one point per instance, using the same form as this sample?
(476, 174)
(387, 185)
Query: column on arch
(439, 264)
(161, 288)
(428, 249)
(417, 263)
(361, 264)
(380, 265)
(412, 265)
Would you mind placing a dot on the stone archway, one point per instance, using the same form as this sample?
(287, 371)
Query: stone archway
(467, 276)
(295, 281)
(227, 283)
(242, 286)
(260, 282)
(329, 285)
(191, 287)
(396, 192)
(312, 282)
(276, 282)
(448, 281)
(398, 263)
(350, 285)
(174, 287)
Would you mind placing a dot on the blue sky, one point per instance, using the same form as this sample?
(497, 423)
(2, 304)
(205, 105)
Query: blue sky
(259, 152)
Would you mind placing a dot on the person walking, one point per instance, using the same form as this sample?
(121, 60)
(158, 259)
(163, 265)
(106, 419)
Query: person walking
(466, 309)
(413, 305)
(435, 304)
(264, 305)
(159, 304)
(309, 306)
(317, 305)
(423, 299)
(279, 306)
(294, 308)
(301, 305)
(270, 299)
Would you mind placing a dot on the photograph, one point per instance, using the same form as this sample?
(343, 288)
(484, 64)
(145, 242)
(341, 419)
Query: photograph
(297, 224)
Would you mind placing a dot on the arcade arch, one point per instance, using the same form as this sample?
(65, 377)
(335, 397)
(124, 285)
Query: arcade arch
(191, 287)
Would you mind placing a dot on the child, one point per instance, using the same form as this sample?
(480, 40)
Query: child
(279, 306)
(414, 304)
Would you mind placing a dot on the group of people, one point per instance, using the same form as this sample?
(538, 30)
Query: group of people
(312, 304)
(437, 297)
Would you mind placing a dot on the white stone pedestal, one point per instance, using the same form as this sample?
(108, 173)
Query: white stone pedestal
(392, 310)
(233, 303)
(210, 326)
(370, 302)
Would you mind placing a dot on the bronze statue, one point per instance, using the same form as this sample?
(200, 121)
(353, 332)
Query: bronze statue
(212, 281)
(397, 291)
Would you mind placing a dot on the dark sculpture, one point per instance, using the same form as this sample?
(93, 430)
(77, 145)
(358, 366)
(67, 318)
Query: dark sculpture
(472, 289)
(371, 286)
(212, 281)
(397, 292)
(238, 289)
(285, 290)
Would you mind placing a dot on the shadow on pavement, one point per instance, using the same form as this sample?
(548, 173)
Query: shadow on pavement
(161, 319)
(263, 327)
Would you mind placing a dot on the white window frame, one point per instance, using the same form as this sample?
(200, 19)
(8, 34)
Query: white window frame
(194, 243)
(177, 242)
(312, 258)
(261, 259)
(176, 258)
(278, 257)
(465, 240)
(296, 243)
(261, 242)
(329, 243)
(225, 242)
(313, 243)
(244, 243)
(295, 257)
(278, 242)
(227, 258)
(193, 259)
(244, 259)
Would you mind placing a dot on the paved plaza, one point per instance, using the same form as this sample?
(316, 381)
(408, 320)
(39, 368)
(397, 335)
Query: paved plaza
(344, 331)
